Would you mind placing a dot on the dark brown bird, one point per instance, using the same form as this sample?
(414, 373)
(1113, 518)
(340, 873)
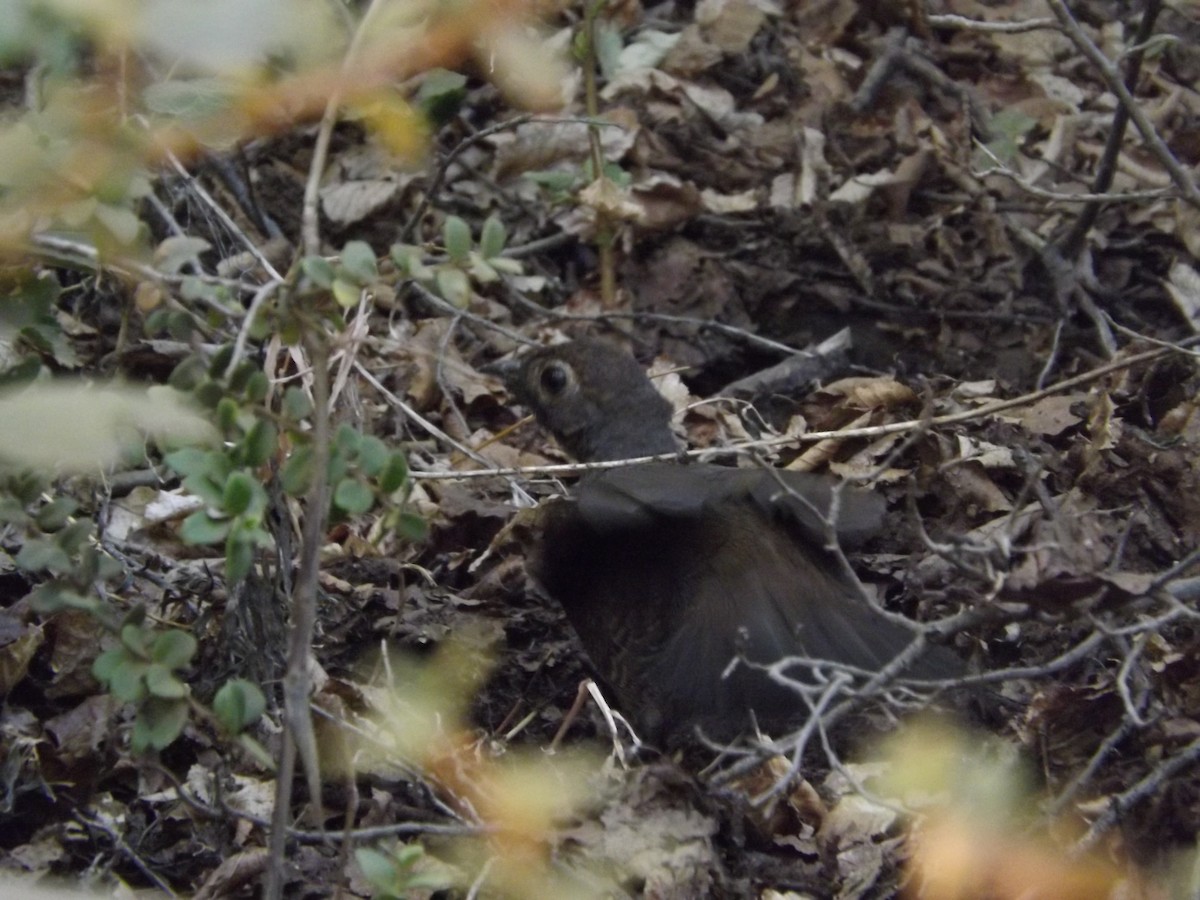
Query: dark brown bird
(672, 573)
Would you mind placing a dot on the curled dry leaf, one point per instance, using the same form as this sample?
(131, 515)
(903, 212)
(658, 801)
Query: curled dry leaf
(870, 393)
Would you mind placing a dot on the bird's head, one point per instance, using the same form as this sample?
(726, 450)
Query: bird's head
(594, 398)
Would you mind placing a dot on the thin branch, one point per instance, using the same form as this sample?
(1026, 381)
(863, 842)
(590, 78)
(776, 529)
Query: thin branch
(812, 437)
(1112, 77)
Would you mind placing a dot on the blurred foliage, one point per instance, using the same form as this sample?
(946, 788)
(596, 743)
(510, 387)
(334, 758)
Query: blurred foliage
(519, 798)
(983, 833)
(113, 91)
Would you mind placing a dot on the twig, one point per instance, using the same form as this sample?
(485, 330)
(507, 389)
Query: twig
(439, 175)
(872, 431)
(1112, 77)
(299, 735)
(309, 219)
(1121, 803)
(1073, 242)
(962, 23)
(224, 217)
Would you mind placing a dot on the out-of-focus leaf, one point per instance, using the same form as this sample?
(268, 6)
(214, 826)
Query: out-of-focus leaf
(493, 237)
(456, 234)
(173, 649)
(67, 426)
(238, 704)
(159, 722)
(454, 286)
(358, 261)
(353, 497)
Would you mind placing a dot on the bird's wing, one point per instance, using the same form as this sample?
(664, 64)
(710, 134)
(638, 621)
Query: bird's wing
(641, 496)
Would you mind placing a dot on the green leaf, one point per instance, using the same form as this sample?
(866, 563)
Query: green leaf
(239, 493)
(53, 597)
(158, 723)
(607, 47)
(441, 94)
(257, 386)
(108, 569)
(260, 443)
(120, 222)
(227, 414)
(126, 682)
(410, 262)
(347, 440)
(297, 473)
(238, 704)
(358, 261)
(54, 515)
(379, 869)
(188, 374)
(242, 374)
(506, 265)
(194, 461)
(457, 236)
(207, 489)
(257, 752)
(454, 286)
(372, 455)
(493, 238)
(346, 293)
(411, 527)
(395, 473)
(353, 497)
(161, 682)
(482, 271)
(239, 555)
(201, 528)
(12, 512)
(73, 536)
(554, 181)
(220, 362)
(173, 649)
(296, 404)
(208, 393)
(105, 666)
(178, 251)
(339, 465)
(38, 554)
(318, 270)
(180, 325)
(134, 638)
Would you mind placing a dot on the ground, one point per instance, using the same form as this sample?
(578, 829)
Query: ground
(1018, 388)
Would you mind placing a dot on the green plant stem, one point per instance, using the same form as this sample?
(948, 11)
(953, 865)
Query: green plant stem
(604, 227)
(298, 736)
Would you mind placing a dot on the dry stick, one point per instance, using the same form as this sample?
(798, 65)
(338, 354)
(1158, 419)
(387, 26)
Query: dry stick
(848, 434)
(86, 256)
(1112, 77)
(965, 24)
(1072, 244)
(703, 324)
(1121, 803)
(227, 220)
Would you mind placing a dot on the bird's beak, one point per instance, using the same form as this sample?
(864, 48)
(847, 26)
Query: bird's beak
(504, 369)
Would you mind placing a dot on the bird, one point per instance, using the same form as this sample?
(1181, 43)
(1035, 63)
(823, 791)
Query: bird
(676, 575)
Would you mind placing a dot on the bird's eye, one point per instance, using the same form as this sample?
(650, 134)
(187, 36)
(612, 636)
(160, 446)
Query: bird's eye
(555, 378)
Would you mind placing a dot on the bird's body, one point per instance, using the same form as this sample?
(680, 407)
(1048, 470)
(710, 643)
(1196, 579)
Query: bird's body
(674, 576)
